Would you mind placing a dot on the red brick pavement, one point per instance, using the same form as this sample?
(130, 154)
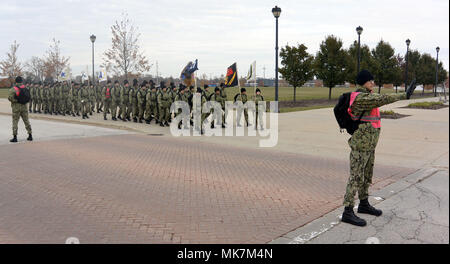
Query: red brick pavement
(144, 189)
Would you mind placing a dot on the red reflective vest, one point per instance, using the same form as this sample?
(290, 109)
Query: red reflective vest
(108, 93)
(373, 117)
(18, 89)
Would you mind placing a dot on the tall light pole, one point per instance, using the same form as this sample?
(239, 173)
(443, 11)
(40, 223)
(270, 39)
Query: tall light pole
(93, 38)
(406, 61)
(276, 11)
(359, 30)
(437, 68)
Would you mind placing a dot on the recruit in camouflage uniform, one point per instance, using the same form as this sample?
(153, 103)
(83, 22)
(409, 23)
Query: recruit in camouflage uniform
(172, 91)
(18, 110)
(116, 107)
(141, 94)
(181, 97)
(125, 101)
(259, 112)
(242, 97)
(38, 99)
(106, 95)
(132, 98)
(151, 105)
(164, 106)
(83, 98)
(220, 116)
(44, 92)
(99, 98)
(363, 143)
(32, 89)
(92, 99)
(64, 103)
(76, 102)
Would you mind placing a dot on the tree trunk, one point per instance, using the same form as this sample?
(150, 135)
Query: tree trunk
(295, 89)
(379, 89)
(396, 89)
(329, 94)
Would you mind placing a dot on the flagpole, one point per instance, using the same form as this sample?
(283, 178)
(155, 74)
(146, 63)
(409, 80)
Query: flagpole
(254, 72)
(237, 75)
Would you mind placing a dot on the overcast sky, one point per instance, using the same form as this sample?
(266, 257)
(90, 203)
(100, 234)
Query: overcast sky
(218, 33)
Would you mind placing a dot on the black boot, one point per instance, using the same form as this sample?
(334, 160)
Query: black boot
(365, 208)
(212, 126)
(114, 119)
(105, 118)
(134, 119)
(349, 217)
(223, 125)
(84, 117)
(124, 119)
(30, 137)
(166, 123)
(14, 139)
(140, 121)
(161, 124)
(147, 122)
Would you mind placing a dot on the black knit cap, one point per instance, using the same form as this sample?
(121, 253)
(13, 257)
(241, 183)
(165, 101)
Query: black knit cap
(216, 89)
(257, 90)
(109, 81)
(199, 90)
(135, 82)
(205, 86)
(116, 81)
(19, 79)
(125, 82)
(243, 90)
(363, 77)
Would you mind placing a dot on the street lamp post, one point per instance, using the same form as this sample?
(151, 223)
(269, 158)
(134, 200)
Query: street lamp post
(93, 38)
(437, 68)
(359, 30)
(276, 11)
(406, 61)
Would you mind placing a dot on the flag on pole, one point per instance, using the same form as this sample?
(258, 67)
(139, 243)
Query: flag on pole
(252, 71)
(102, 76)
(231, 79)
(84, 77)
(63, 76)
(187, 74)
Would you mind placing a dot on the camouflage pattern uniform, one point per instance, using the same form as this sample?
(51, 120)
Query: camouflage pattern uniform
(39, 99)
(106, 99)
(363, 143)
(151, 105)
(141, 93)
(125, 101)
(92, 99)
(242, 98)
(99, 97)
(164, 107)
(76, 102)
(218, 98)
(44, 92)
(31, 104)
(223, 94)
(181, 96)
(51, 101)
(259, 114)
(132, 98)
(116, 108)
(18, 111)
(64, 98)
(58, 98)
(83, 98)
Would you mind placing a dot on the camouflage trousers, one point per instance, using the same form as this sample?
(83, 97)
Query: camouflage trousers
(150, 110)
(134, 109)
(164, 113)
(239, 115)
(20, 111)
(362, 158)
(107, 107)
(116, 108)
(125, 109)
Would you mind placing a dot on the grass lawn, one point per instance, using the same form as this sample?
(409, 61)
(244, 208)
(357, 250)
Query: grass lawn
(286, 94)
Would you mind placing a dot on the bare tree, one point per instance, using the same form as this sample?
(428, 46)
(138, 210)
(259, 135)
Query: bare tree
(124, 56)
(11, 67)
(35, 66)
(54, 62)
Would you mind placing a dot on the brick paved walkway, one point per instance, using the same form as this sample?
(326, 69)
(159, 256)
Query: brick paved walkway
(144, 189)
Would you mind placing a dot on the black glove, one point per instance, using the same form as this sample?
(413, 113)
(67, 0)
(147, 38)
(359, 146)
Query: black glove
(411, 89)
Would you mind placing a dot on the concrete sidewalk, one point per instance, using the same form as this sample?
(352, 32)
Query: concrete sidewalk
(415, 210)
